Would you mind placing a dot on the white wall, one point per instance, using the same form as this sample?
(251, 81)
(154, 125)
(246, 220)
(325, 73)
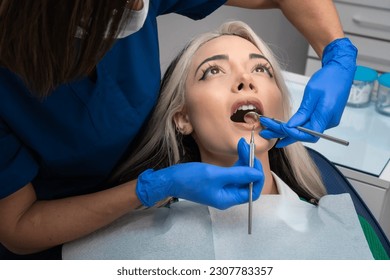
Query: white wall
(287, 43)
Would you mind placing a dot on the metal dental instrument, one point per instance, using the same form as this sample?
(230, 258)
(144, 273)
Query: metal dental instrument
(252, 148)
(250, 116)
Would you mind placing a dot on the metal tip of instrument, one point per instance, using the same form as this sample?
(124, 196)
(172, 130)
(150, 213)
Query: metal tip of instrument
(251, 164)
(251, 117)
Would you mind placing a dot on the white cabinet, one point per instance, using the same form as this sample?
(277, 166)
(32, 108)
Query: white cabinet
(367, 24)
(372, 189)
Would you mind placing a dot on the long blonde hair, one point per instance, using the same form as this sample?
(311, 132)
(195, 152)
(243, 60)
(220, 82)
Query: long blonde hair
(161, 146)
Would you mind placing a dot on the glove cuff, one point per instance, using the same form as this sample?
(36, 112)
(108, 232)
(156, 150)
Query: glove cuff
(341, 51)
(145, 186)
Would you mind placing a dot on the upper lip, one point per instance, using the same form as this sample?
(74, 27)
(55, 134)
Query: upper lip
(247, 101)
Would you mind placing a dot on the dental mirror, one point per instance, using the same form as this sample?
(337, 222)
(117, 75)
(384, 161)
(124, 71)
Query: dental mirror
(251, 117)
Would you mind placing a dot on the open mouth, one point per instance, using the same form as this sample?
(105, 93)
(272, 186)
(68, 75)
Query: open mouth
(238, 115)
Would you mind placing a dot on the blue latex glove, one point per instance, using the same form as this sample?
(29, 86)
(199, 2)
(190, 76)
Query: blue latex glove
(324, 99)
(219, 187)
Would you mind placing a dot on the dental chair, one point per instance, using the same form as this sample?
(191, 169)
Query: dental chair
(336, 183)
(334, 180)
(51, 254)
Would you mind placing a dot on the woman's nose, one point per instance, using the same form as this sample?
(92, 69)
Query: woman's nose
(245, 83)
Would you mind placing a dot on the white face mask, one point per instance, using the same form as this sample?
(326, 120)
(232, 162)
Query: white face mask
(136, 20)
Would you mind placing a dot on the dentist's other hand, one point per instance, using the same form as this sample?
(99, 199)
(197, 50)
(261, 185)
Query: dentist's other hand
(219, 187)
(324, 99)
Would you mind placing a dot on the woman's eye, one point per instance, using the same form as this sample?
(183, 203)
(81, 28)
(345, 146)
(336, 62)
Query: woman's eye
(260, 68)
(212, 70)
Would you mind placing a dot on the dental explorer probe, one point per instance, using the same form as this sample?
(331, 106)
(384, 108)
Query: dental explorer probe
(254, 115)
(252, 148)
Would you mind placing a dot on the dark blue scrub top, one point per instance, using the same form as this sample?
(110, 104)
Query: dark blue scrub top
(69, 143)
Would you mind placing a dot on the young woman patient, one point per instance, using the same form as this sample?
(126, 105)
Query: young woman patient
(207, 89)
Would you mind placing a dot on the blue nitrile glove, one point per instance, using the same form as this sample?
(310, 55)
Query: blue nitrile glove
(324, 99)
(219, 187)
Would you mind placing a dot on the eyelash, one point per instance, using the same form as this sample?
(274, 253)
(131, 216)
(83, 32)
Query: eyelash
(211, 67)
(208, 70)
(266, 67)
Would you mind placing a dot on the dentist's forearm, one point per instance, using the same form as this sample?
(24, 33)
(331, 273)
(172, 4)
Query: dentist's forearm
(44, 224)
(316, 20)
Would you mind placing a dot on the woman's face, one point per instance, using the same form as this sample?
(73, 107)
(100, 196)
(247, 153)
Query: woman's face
(227, 75)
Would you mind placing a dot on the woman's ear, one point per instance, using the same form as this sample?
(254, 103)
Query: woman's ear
(182, 122)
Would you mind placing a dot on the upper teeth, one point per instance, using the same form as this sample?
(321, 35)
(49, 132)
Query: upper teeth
(246, 107)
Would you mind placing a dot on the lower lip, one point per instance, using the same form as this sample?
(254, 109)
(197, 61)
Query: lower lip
(248, 126)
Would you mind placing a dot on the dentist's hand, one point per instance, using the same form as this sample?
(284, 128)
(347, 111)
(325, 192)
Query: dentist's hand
(324, 99)
(219, 187)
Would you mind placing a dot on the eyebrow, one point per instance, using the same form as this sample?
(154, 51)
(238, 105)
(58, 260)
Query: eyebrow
(226, 57)
(211, 58)
(256, 55)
